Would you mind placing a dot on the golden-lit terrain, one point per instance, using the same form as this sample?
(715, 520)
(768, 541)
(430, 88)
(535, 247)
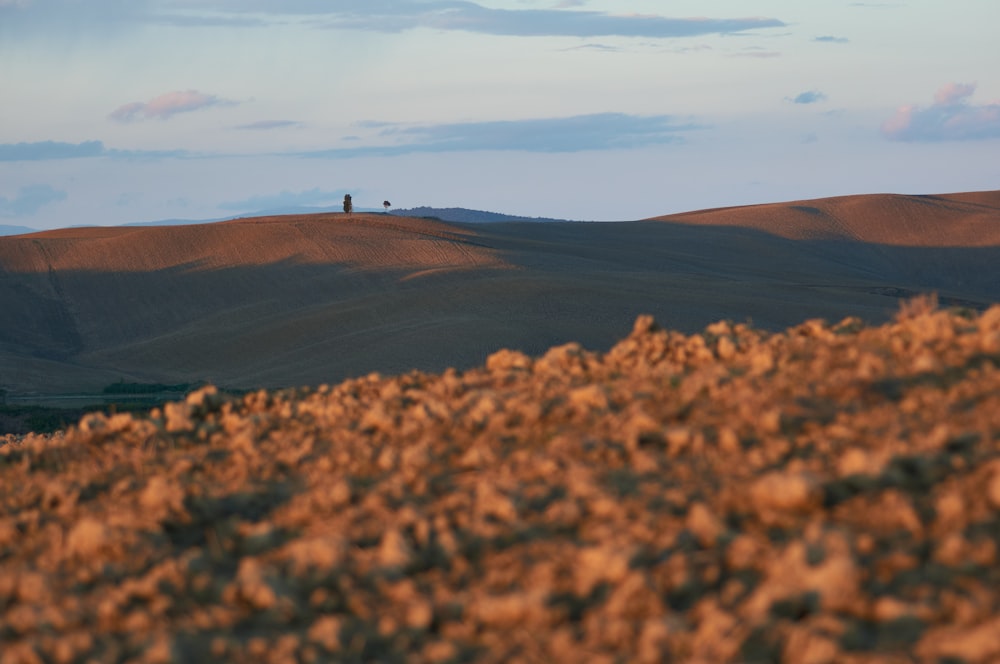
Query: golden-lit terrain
(826, 494)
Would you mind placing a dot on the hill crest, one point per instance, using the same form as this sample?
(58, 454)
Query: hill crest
(970, 219)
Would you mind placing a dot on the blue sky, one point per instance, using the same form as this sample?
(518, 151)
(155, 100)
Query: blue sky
(118, 111)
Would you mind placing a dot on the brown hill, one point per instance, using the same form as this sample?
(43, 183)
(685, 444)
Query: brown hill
(953, 220)
(299, 300)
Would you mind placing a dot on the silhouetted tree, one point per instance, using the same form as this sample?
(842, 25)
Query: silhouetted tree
(348, 205)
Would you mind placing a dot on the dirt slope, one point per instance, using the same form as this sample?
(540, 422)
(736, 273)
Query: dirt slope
(829, 494)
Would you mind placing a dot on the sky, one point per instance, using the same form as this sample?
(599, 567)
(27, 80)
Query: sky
(124, 111)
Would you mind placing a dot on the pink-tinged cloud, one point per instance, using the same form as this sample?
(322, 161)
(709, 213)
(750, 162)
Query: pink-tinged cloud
(167, 105)
(953, 93)
(950, 118)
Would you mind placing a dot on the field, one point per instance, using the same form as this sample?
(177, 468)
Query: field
(302, 300)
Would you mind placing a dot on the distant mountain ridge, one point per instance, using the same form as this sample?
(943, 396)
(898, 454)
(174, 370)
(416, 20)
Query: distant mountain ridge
(465, 215)
(453, 214)
(16, 230)
(273, 212)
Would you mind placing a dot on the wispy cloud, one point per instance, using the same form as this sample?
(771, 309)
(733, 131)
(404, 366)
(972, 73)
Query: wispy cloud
(55, 19)
(46, 150)
(602, 131)
(55, 150)
(167, 105)
(594, 47)
(830, 39)
(29, 200)
(264, 125)
(311, 197)
(464, 15)
(808, 97)
(471, 17)
(950, 118)
(51, 18)
(756, 53)
(207, 21)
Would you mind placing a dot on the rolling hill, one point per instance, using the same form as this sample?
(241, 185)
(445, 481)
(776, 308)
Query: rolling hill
(309, 299)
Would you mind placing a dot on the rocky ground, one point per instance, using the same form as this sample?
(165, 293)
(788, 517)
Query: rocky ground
(826, 494)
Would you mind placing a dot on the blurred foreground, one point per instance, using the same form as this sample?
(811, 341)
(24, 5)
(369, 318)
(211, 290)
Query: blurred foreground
(826, 494)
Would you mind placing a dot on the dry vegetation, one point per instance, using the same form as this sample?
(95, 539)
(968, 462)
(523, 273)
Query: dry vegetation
(826, 494)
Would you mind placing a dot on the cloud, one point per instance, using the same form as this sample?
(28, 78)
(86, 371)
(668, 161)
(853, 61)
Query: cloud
(311, 197)
(167, 105)
(950, 118)
(573, 134)
(47, 150)
(151, 154)
(830, 39)
(57, 20)
(206, 21)
(602, 131)
(464, 15)
(953, 94)
(471, 17)
(29, 200)
(808, 97)
(55, 17)
(264, 125)
(594, 47)
(756, 53)
(54, 150)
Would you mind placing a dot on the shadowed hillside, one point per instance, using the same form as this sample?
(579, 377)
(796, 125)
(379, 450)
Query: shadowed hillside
(297, 300)
(465, 215)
